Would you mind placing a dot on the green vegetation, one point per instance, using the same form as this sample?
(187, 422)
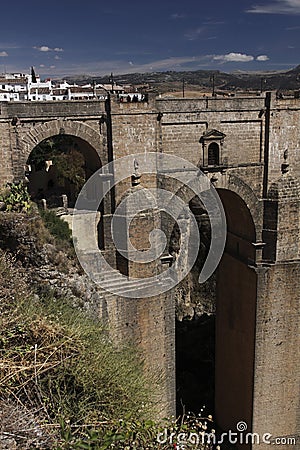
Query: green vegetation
(68, 161)
(27, 232)
(15, 197)
(57, 227)
(63, 385)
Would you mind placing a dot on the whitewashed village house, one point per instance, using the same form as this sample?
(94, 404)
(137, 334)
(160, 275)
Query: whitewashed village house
(20, 86)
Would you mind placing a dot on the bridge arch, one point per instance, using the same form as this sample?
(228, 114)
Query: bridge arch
(40, 132)
(231, 183)
(235, 299)
(79, 146)
(246, 193)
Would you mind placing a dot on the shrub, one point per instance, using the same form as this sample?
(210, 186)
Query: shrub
(57, 227)
(16, 197)
(69, 162)
(24, 235)
(190, 432)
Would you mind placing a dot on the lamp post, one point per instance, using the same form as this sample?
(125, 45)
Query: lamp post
(212, 79)
(111, 79)
(262, 82)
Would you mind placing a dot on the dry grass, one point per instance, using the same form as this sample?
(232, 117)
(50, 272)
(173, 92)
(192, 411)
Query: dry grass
(22, 428)
(57, 362)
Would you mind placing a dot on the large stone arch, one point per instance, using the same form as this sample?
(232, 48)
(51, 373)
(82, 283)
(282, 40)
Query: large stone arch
(236, 297)
(40, 132)
(236, 302)
(245, 192)
(230, 182)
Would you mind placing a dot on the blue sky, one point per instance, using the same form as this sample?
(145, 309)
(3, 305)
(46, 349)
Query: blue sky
(66, 37)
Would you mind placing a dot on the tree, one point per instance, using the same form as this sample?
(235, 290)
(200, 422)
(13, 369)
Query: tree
(68, 161)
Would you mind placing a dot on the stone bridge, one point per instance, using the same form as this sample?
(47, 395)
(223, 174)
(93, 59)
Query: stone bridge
(250, 150)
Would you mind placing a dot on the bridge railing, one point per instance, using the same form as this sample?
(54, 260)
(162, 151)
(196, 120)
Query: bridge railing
(52, 108)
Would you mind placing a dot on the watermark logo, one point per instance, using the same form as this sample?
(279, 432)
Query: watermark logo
(170, 198)
(183, 440)
(241, 426)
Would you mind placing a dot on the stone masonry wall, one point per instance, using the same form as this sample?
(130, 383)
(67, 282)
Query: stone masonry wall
(183, 124)
(149, 323)
(284, 135)
(276, 372)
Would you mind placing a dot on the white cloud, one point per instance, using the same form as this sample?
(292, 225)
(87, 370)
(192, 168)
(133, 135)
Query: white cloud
(277, 7)
(177, 16)
(233, 57)
(45, 48)
(9, 45)
(192, 35)
(57, 57)
(3, 54)
(122, 66)
(293, 28)
(214, 22)
(42, 65)
(262, 58)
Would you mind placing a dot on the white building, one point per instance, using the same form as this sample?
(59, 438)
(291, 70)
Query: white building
(8, 96)
(38, 90)
(40, 94)
(20, 86)
(13, 86)
(59, 93)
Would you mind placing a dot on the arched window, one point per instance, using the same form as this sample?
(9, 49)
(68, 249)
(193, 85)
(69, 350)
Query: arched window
(213, 154)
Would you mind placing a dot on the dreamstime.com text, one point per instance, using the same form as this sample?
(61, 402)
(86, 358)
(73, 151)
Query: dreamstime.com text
(182, 439)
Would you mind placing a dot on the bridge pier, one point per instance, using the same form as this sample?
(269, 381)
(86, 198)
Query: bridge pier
(149, 324)
(276, 408)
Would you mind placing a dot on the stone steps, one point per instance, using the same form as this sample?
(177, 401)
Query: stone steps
(107, 275)
(109, 281)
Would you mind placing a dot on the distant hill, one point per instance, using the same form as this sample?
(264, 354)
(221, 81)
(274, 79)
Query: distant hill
(202, 80)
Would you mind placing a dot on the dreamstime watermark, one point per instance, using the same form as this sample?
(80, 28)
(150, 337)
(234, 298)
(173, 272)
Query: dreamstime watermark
(184, 440)
(188, 181)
